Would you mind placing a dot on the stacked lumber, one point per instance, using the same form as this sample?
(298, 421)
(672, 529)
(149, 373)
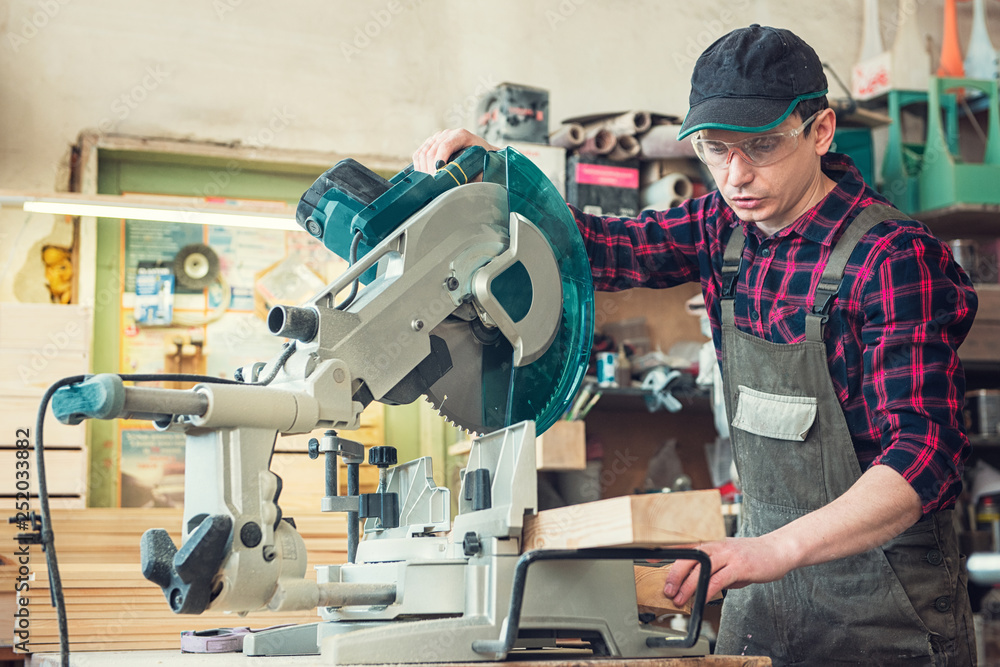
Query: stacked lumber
(111, 606)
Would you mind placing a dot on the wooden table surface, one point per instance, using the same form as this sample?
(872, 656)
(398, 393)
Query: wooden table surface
(177, 659)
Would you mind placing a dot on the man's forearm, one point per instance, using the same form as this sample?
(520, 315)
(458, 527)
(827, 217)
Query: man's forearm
(879, 506)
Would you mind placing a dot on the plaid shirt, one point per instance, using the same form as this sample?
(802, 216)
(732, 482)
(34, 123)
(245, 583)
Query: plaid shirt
(903, 309)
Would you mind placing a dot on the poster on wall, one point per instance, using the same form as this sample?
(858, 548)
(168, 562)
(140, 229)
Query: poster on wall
(213, 330)
(156, 242)
(243, 253)
(152, 468)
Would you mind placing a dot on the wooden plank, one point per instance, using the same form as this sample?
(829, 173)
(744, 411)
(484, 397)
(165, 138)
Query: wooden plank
(45, 327)
(29, 372)
(65, 471)
(9, 503)
(562, 447)
(18, 411)
(650, 520)
(227, 152)
(371, 432)
(649, 582)
(305, 482)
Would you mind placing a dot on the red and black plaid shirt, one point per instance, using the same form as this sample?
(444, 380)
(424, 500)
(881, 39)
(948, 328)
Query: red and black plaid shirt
(903, 309)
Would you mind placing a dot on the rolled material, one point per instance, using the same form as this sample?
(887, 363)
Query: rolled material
(668, 192)
(599, 141)
(568, 136)
(661, 143)
(632, 122)
(627, 147)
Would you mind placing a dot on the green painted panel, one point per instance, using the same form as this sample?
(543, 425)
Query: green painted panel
(121, 172)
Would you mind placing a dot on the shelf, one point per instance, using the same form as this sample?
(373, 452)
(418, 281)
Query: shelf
(634, 398)
(961, 219)
(991, 441)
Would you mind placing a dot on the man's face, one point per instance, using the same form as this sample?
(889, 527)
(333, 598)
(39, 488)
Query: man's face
(775, 195)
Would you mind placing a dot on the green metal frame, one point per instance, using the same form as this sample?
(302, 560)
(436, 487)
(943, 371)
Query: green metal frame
(944, 178)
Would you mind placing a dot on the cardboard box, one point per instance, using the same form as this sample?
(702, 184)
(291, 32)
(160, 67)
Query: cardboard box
(602, 187)
(514, 112)
(981, 343)
(550, 159)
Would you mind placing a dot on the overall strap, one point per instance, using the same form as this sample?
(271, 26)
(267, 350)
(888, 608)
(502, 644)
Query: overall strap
(732, 260)
(829, 284)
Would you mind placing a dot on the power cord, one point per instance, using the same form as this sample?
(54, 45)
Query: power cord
(355, 242)
(47, 537)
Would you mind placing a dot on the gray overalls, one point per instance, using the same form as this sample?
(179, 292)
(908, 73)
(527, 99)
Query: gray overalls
(903, 603)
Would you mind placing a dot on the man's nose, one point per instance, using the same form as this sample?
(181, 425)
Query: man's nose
(740, 170)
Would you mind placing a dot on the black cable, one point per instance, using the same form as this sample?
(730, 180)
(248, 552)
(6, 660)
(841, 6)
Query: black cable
(174, 377)
(350, 262)
(48, 538)
(278, 364)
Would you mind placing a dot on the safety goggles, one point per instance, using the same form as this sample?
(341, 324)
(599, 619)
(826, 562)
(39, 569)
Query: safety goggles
(759, 150)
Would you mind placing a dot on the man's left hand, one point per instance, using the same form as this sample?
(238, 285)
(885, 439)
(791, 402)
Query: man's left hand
(736, 562)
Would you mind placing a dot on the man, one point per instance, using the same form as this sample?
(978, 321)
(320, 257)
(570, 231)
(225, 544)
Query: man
(836, 320)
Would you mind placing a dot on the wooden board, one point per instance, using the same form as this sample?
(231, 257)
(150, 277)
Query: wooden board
(650, 520)
(18, 412)
(649, 582)
(371, 432)
(562, 447)
(304, 481)
(48, 328)
(110, 605)
(65, 471)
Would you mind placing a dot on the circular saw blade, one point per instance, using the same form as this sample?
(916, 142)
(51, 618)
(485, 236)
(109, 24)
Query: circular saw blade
(484, 391)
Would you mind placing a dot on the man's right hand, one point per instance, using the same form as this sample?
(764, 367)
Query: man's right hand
(443, 145)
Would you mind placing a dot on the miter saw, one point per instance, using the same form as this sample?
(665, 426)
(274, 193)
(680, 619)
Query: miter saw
(478, 296)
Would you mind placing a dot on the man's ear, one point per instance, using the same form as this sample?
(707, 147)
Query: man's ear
(822, 130)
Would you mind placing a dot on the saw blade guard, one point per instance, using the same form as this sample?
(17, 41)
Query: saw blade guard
(542, 390)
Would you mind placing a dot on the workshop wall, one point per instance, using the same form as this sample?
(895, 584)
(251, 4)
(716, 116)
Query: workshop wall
(373, 77)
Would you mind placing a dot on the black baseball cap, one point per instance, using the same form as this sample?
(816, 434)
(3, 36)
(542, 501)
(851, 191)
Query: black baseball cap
(750, 81)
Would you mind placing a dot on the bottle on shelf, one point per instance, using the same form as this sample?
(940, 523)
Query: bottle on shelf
(988, 518)
(623, 369)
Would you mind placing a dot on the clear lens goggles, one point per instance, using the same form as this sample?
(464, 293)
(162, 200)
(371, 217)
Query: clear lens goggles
(759, 150)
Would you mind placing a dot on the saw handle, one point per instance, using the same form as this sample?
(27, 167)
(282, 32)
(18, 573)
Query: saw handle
(468, 161)
(499, 648)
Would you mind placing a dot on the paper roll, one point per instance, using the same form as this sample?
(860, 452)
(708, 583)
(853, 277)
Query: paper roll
(626, 148)
(568, 136)
(661, 143)
(667, 192)
(599, 141)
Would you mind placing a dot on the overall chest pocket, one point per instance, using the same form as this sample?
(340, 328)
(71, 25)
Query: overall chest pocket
(774, 415)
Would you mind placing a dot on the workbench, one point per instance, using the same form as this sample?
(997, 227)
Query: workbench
(177, 659)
